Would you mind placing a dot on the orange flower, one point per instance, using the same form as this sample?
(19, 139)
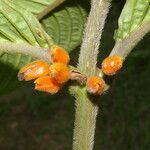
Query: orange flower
(58, 54)
(33, 70)
(47, 84)
(111, 65)
(59, 72)
(95, 85)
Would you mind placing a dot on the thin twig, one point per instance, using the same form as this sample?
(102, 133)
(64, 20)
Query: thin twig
(26, 49)
(49, 8)
(125, 46)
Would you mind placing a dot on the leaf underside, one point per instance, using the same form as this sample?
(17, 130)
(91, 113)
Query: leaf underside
(134, 13)
(66, 24)
(34, 6)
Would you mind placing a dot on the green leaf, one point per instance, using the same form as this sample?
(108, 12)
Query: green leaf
(18, 26)
(134, 13)
(65, 25)
(34, 6)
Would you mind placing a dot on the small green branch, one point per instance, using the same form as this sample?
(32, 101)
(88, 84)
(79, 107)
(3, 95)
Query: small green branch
(49, 8)
(125, 46)
(92, 36)
(37, 52)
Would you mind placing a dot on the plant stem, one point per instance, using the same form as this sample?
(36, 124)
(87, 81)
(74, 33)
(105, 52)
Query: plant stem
(85, 120)
(49, 8)
(92, 36)
(125, 46)
(26, 49)
(86, 109)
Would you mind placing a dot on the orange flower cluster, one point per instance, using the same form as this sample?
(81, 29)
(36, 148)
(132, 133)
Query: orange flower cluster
(110, 66)
(48, 78)
(95, 85)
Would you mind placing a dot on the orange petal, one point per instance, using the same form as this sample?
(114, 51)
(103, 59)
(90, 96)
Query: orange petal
(47, 84)
(58, 54)
(59, 72)
(33, 70)
(95, 85)
(111, 65)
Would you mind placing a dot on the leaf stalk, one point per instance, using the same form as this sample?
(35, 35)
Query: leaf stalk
(26, 49)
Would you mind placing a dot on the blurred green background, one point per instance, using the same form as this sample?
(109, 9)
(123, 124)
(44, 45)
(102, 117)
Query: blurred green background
(31, 120)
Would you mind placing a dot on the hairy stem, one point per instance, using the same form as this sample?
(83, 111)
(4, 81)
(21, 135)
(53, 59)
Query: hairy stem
(86, 109)
(92, 36)
(49, 8)
(125, 46)
(85, 120)
(37, 52)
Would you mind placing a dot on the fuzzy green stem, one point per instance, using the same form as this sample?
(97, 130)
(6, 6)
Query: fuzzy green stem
(125, 46)
(85, 120)
(86, 109)
(92, 36)
(26, 49)
(49, 8)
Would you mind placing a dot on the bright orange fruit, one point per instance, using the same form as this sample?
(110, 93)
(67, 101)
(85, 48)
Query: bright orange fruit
(58, 54)
(33, 70)
(59, 72)
(47, 84)
(95, 85)
(111, 65)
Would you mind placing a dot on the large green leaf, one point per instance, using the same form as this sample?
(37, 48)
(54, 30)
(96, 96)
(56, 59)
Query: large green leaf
(133, 14)
(64, 25)
(18, 26)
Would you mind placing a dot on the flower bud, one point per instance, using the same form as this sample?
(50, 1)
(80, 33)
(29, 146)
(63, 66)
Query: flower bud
(33, 70)
(47, 84)
(95, 85)
(111, 65)
(59, 72)
(58, 54)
